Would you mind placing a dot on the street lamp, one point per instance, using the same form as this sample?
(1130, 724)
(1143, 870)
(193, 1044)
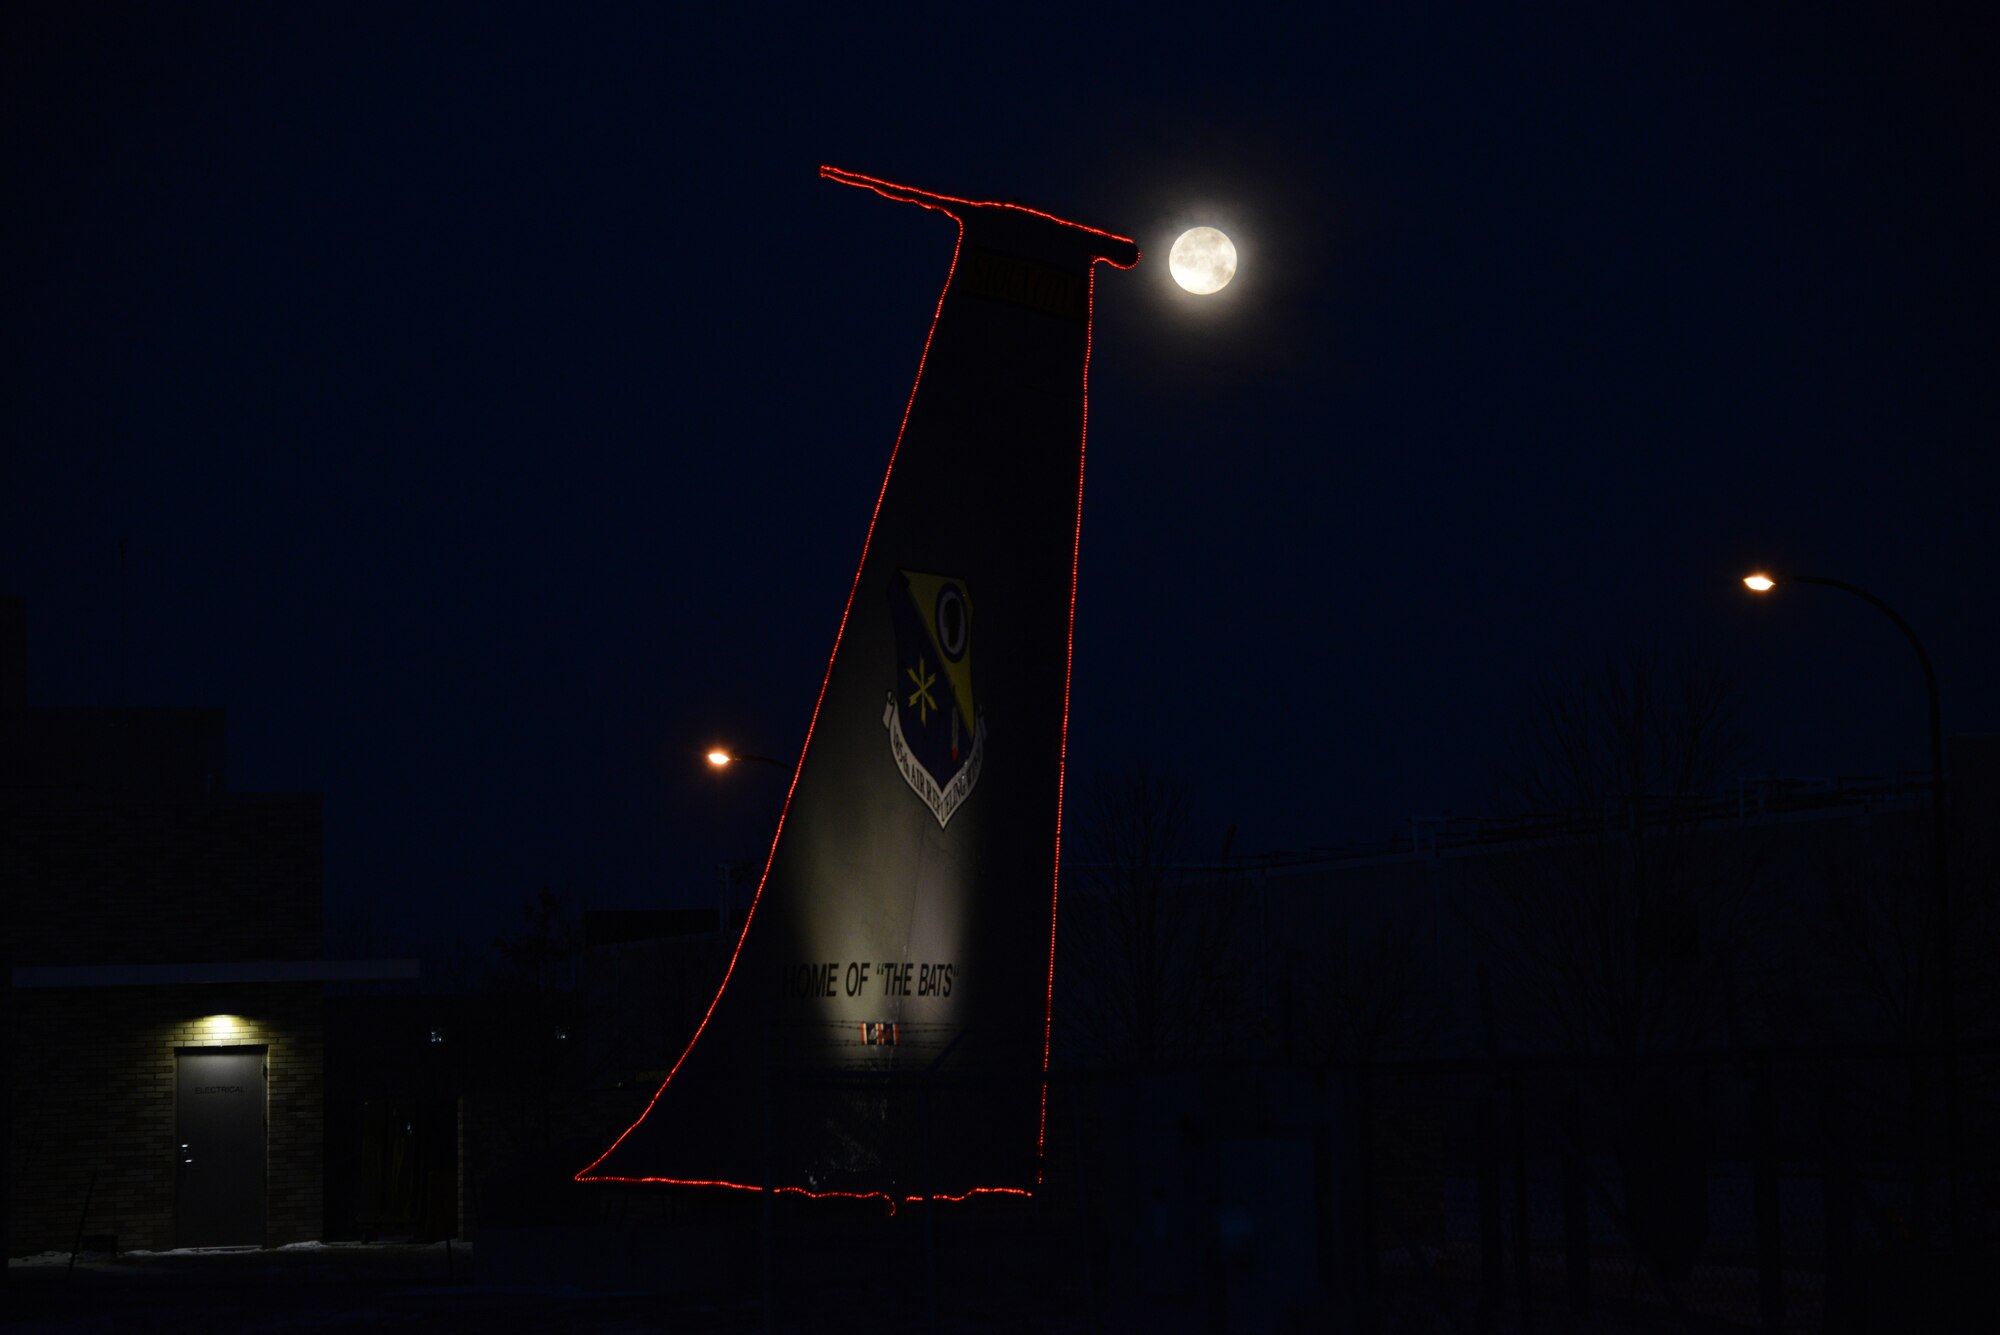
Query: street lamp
(1946, 1017)
(1764, 582)
(722, 757)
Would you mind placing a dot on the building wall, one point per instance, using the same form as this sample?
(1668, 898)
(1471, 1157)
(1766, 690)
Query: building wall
(120, 845)
(93, 1081)
(1720, 932)
(1540, 919)
(109, 876)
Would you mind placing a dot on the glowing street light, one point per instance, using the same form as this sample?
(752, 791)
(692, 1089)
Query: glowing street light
(722, 757)
(1763, 582)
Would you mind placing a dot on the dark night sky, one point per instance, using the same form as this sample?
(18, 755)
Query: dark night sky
(493, 398)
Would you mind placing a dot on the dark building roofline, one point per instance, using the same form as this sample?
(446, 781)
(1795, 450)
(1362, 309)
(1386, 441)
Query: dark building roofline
(220, 971)
(1757, 800)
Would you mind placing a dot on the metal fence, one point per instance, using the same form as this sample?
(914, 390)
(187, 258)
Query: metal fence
(1798, 1189)
(1778, 1189)
(1794, 1189)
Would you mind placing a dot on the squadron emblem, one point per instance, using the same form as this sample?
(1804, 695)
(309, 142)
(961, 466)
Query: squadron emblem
(936, 733)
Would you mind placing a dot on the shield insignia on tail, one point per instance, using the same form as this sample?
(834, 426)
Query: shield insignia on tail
(937, 735)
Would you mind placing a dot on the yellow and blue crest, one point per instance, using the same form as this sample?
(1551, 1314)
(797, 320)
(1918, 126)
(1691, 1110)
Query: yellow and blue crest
(936, 733)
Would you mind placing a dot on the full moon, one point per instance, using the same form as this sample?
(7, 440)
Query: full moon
(1203, 260)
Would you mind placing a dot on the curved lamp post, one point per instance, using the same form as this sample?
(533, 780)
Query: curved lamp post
(722, 757)
(1762, 582)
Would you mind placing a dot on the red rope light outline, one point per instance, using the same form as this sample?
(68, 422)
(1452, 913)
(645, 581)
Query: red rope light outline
(909, 194)
(1062, 749)
(891, 1201)
(939, 203)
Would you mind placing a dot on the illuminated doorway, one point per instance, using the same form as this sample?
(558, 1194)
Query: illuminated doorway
(219, 1124)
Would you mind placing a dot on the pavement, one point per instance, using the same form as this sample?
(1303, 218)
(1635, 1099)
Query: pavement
(330, 1288)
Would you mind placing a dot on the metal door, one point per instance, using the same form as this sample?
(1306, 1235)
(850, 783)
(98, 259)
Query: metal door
(219, 1134)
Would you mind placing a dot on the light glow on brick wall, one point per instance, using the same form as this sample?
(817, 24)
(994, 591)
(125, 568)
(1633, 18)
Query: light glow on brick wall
(223, 1028)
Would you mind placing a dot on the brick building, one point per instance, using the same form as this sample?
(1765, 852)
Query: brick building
(165, 982)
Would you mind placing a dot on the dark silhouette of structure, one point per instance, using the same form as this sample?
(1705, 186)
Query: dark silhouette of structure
(898, 933)
(165, 1051)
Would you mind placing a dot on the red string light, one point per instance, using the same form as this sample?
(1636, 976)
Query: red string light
(931, 199)
(1062, 750)
(941, 204)
(798, 769)
(883, 1196)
